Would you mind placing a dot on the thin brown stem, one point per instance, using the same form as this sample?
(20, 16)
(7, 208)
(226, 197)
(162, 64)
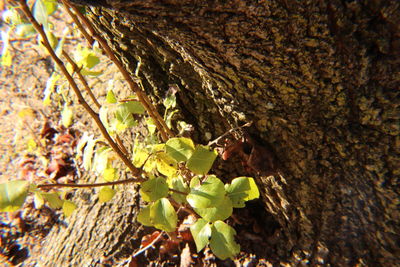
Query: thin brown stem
(143, 98)
(81, 100)
(78, 24)
(127, 181)
(77, 70)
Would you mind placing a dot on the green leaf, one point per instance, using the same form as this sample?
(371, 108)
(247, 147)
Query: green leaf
(51, 6)
(67, 116)
(151, 126)
(169, 101)
(202, 160)
(88, 153)
(181, 149)
(25, 30)
(68, 208)
(38, 200)
(163, 215)
(106, 193)
(222, 241)
(241, 190)
(101, 162)
(201, 232)
(219, 212)
(40, 13)
(50, 85)
(179, 185)
(6, 58)
(144, 216)
(110, 174)
(140, 157)
(53, 199)
(110, 98)
(13, 194)
(208, 194)
(154, 189)
(166, 165)
(134, 107)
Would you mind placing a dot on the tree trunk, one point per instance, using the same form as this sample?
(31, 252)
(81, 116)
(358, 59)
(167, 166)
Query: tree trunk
(320, 81)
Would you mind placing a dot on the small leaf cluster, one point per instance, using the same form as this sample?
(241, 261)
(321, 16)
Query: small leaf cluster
(180, 175)
(14, 193)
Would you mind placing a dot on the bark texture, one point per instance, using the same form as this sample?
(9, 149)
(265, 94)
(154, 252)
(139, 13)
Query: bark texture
(320, 79)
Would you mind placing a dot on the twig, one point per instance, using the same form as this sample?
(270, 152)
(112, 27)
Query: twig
(127, 181)
(81, 100)
(228, 132)
(77, 70)
(78, 24)
(149, 245)
(143, 98)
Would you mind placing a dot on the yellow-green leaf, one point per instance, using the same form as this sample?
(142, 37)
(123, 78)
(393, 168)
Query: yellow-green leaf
(106, 193)
(68, 208)
(110, 174)
(201, 160)
(201, 232)
(13, 194)
(67, 116)
(222, 241)
(181, 149)
(154, 189)
(163, 215)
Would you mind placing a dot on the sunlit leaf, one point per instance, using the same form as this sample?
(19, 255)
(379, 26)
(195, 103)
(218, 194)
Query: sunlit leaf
(38, 200)
(201, 160)
(181, 149)
(106, 193)
(25, 30)
(68, 208)
(67, 116)
(144, 216)
(88, 153)
(201, 232)
(208, 194)
(110, 98)
(110, 174)
(40, 13)
(53, 199)
(6, 58)
(222, 241)
(12, 16)
(50, 85)
(170, 101)
(165, 164)
(154, 189)
(241, 190)
(163, 215)
(221, 211)
(101, 161)
(179, 185)
(134, 107)
(51, 6)
(140, 157)
(151, 125)
(13, 194)
(124, 115)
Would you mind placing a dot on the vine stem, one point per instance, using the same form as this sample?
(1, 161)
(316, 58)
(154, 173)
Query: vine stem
(135, 171)
(143, 98)
(127, 181)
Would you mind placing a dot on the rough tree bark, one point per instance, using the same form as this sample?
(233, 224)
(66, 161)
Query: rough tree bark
(320, 79)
